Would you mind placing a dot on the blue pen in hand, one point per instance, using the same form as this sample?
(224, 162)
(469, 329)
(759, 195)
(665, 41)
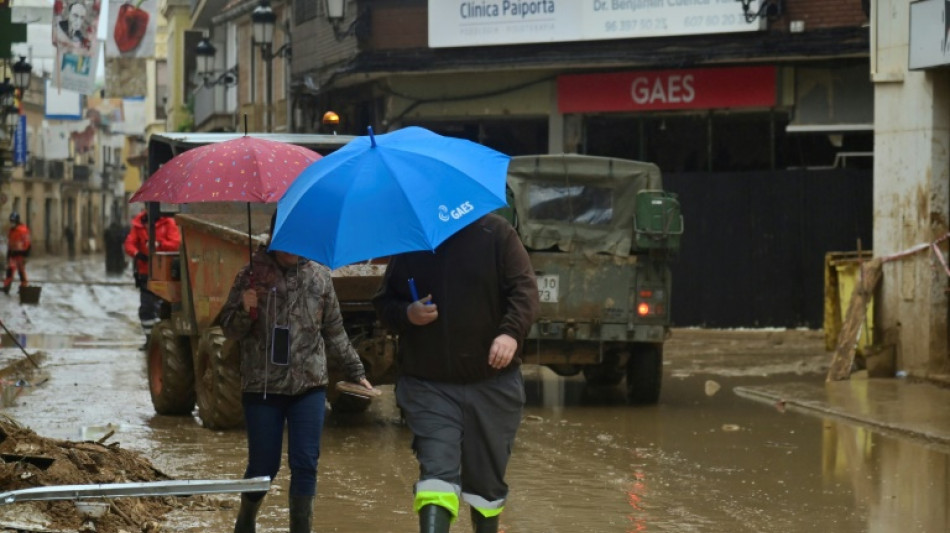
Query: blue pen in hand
(412, 290)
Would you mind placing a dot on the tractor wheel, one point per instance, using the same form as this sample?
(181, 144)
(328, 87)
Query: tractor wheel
(644, 373)
(171, 378)
(218, 381)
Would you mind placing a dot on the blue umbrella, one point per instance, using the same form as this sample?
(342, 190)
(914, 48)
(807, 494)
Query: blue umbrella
(381, 195)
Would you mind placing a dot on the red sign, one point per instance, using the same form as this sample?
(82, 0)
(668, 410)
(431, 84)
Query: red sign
(708, 88)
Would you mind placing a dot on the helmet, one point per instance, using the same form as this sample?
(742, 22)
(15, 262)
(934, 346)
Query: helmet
(15, 217)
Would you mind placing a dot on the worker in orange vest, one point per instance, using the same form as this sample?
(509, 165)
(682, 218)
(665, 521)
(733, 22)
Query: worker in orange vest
(167, 239)
(18, 249)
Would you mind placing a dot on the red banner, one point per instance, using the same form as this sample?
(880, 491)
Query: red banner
(710, 88)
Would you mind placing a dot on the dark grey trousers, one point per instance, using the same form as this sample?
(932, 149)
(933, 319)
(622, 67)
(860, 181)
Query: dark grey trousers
(463, 433)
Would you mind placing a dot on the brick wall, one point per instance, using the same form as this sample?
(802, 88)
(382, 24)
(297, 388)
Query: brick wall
(822, 14)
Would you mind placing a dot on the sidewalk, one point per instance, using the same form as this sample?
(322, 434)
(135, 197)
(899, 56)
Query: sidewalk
(898, 407)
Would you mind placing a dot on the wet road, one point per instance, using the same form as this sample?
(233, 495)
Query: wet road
(584, 461)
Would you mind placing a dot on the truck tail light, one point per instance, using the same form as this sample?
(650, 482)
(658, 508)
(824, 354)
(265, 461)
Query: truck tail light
(651, 302)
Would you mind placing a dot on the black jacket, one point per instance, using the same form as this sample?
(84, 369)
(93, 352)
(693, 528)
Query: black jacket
(483, 283)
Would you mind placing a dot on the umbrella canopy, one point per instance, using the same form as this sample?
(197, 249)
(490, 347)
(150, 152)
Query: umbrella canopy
(245, 169)
(381, 195)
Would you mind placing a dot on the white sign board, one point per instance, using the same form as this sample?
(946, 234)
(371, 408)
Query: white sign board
(498, 22)
(929, 34)
(548, 286)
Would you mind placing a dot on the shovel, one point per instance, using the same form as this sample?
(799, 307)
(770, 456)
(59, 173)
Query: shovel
(20, 346)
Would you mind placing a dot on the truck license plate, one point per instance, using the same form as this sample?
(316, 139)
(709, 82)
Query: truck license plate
(547, 287)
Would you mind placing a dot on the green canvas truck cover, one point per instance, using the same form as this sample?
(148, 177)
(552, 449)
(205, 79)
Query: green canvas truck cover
(578, 203)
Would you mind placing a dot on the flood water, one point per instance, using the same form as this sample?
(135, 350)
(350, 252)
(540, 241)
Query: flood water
(702, 460)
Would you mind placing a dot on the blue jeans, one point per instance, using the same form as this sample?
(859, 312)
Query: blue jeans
(264, 419)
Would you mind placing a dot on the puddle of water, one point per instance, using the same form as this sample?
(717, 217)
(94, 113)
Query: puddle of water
(584, 461)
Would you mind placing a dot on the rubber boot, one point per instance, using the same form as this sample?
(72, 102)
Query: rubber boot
(482, 524)
(301, 514)
(247, 515)
(434, 519)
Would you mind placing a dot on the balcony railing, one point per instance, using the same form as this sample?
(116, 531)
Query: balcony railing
(210, 102)
(81, 173)
(54, 170)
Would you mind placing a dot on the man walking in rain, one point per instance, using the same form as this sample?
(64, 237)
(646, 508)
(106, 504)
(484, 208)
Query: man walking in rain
(167, 239)
(460, 386)
(18, 249)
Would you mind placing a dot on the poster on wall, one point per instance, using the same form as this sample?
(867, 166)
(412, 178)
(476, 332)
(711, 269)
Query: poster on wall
(75, 26)
(76, 72)
(131, 30)
(133, 110)
(61, 104)
(75, 23)
(19, 142)
(55, 140)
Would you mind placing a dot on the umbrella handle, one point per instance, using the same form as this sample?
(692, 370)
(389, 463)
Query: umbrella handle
(252, 311)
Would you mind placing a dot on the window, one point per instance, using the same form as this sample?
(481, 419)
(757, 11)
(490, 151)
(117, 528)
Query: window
(161, 88)
(577, 204)
(305, 10)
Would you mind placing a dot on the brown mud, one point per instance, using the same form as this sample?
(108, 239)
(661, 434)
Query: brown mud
(28, 460)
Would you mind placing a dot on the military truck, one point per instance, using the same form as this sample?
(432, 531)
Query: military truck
(189, 361)
(601, 233)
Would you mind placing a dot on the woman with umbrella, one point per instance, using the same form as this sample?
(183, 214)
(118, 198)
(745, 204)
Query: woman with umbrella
(284, 312)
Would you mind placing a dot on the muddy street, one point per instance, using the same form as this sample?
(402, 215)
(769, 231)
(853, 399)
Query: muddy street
(703, 459)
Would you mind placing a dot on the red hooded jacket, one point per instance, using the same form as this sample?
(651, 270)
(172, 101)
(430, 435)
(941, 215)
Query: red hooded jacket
(19, 240)
(167, 239)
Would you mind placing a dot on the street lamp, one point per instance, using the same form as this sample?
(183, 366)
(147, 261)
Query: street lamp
(8, 111)
(205, 55)
(336, 10)
(332, 120)
(21, 74)
(264, 20)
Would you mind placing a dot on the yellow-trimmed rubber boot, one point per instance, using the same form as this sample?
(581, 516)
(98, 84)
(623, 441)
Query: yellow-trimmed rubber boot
(483, 524)
(434, 519)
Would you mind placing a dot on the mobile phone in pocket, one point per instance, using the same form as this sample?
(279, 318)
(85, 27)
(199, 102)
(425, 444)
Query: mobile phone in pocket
(280, 346)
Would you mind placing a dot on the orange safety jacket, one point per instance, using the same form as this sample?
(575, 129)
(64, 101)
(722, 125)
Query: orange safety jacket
(167, 239)
(18, 241)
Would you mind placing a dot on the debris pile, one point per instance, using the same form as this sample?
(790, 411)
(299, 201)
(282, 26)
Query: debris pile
(28, 460)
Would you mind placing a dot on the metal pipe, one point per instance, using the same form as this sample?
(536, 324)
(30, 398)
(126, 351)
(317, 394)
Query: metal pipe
(145, 488)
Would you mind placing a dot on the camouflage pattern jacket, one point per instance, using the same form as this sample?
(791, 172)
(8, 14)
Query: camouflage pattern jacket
(301, 297)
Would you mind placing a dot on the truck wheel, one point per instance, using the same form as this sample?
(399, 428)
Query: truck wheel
(644, 373)
(171, 378)
(608, 373)
(218, 381)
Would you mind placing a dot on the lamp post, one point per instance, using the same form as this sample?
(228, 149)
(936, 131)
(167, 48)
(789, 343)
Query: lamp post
(264, 20)
(336, 10)
(204, 52)
(21, 74)
(9, 113)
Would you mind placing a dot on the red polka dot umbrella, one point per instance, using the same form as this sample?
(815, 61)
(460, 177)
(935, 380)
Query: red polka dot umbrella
(245, 169)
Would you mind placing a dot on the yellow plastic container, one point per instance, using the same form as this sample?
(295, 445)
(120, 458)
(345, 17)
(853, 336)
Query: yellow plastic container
(842, 271)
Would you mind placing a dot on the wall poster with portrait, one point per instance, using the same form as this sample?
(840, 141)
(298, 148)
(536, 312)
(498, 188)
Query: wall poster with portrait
(75, 27)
